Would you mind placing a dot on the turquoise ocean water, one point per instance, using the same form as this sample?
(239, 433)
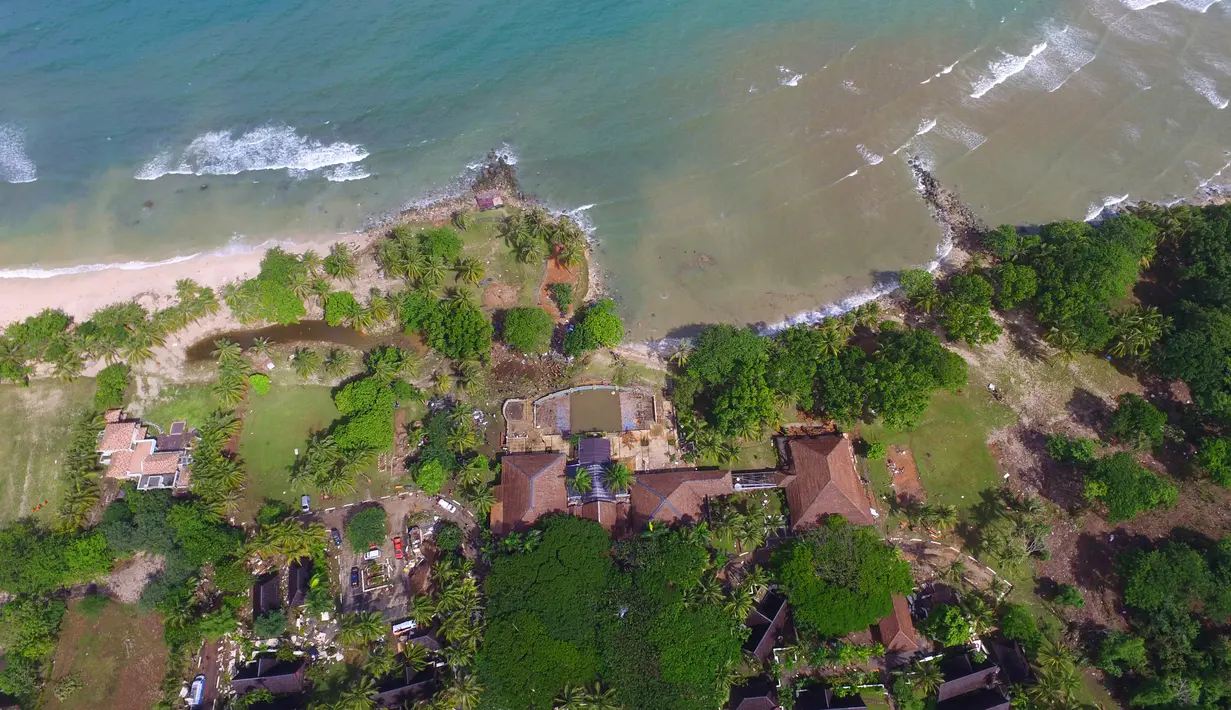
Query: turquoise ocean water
(736, 160)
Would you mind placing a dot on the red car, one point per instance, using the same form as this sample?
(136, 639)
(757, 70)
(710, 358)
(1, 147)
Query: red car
(397, 547)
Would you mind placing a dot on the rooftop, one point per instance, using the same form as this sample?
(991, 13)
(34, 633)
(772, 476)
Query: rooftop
(268, 673)
(822, 480)
(531, 486)
(897, 630)
(674, 496)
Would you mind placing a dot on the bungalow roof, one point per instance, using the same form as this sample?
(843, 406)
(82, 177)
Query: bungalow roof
(823, 481)
(531, 486)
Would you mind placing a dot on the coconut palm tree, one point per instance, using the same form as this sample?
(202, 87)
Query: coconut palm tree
(465, 692)
(739, 605)
(926, 677)
(981, 615)
(422, 610)
(360, 628)
(229, 391)
(570, 256)
(680, 354)
(1065, 341)
(379, 305)
(941, 518)
(363, 320)
(359, 694)
(582, 482)
(572, 698)
(416, 656)
(462, 437)
(618, 477)
(756, 581)
(473, 473)
(337, 362)
(482, 499)
(311, 259)
(340, 264)
(261, 347)
(530, 251)
(67, 366)
(300, 284)
(708, 591)
(463, 218)
(830, 340)
(443, 382)
(868, 315)
(305, 362)
(227, 350)
(470, 270)
(433, 273)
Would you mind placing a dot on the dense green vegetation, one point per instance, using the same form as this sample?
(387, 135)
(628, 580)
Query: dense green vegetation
(648, 621)
(528, 329)
(596, 326)
(840, 578)
(112, 383)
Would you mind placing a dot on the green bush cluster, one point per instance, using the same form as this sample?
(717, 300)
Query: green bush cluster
(111, 385)
(528, 330)
(367, 527)
(598, 326)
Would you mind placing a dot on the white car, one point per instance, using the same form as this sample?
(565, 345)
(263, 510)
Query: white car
(447, 505)
(372, 554)
(196, 691)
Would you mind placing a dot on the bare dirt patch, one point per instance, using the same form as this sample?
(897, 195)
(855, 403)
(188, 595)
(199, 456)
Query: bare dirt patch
(555, 274)
(498, 295)
(905, 476)
(120, 655)
(127, 582)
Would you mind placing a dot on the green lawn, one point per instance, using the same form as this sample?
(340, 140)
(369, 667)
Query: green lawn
(483, 242)
(187, 403)
(39, 417)
(950, 446)
(752, 456)
(276, 425)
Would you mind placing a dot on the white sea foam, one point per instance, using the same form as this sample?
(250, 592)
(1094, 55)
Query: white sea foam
(1097, 209)
(1000, 70)
(347, 172)
(850, 86)
(35, 272)
(788, 77)
(505, 151)
(1141, 4)
(925, 127)
(847, 176)
(870, 157)
(1068, 54)
(15, 164)
(1206, 182)
(1205, 86)
(960, 132)
(273, 147)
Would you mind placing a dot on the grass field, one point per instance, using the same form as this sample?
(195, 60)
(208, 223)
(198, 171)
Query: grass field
(278, 423)
(950, 446)
(187, 403)
(483, 242)
(40, 417)
(119, 655)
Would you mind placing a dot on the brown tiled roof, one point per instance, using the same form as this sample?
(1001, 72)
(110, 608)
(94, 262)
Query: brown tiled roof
(118, 436)
(961, 678)
(756, 694)
(119, 465)
(605, 512)
(897, 630)
(111, 416)
(678, 495)
(160, 463)
(531, 486)
(824, 482)
(765, 620)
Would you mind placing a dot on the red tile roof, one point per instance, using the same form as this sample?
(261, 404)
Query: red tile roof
(531, 486)
(675, 496)
(897, 630)
(823, 482)
(118, 437)
(605, 512)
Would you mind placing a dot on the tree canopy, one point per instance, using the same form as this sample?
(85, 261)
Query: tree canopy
(840, 578)
(597, 326)
(528, 329)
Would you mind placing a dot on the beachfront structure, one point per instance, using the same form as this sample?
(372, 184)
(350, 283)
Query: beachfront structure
(269, 673)
(488, 200)
(818, 475)
(130, 454)
(971, 685)
(897, 632)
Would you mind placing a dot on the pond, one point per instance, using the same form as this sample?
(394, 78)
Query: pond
(308, 331)
(595, 410)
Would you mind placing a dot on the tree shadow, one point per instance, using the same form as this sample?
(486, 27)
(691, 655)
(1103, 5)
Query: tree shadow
(1094, 563)
(1025, 336)
(1046, 588)
(1061, 483)
(1089, 410)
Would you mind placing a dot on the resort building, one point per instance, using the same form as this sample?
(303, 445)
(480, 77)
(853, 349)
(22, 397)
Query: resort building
(130, 454)
(819, 478)
(897, 632)
(970, 685)
(268, 673)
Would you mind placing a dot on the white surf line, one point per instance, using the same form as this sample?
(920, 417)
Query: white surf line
(1004, 69)
(925, 126)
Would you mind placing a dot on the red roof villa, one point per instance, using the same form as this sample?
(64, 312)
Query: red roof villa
(127, 451)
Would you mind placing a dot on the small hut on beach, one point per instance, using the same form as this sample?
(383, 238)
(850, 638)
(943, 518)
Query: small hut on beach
(488, 200)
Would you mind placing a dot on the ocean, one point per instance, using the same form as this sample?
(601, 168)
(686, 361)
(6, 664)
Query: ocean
(735, 161)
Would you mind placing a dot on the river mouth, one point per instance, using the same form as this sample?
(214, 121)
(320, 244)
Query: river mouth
(309, 331)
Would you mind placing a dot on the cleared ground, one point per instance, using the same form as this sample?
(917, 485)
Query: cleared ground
(120, 656)
(38, 419)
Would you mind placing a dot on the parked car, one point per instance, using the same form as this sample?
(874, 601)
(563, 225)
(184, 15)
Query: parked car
(354, 576)
(372, 554)
(397, 547)
(337, 536)
(305, 504)
(196, 691)
(447, 505)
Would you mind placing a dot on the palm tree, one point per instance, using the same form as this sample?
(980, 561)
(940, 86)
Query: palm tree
(482, 499)
(868, 315)
(572, 698)
(830, 341)
(462, 437)
(414, 266)
(68, 366)
(336, 362)
(1055, 688)
(433, 272)
(443, 382)
(569, 256)
(186, 289)
(340, 264)
(360, 628)
(300, 284)
(470, 270)
(942, 518)
(363, 320)
(311, 259)
(463, 218)
(416, 656)
(926, 677)
(1065, 341)
(379, 306)
(229, 390)
(260, 347)
(227, 350)
(708, 591)
(582, 482)
(739, 605)
(618, 477)
(359, 694)
(756, 580)
(305, 362)
(980, 614)
(381, 662)
(680, 354)
(465, 692)
(422, 610)
(530, 251)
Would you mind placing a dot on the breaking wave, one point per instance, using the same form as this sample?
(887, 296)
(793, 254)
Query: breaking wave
(272, 147)
(869, 157)
(1205, 86)
(1001, 69)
